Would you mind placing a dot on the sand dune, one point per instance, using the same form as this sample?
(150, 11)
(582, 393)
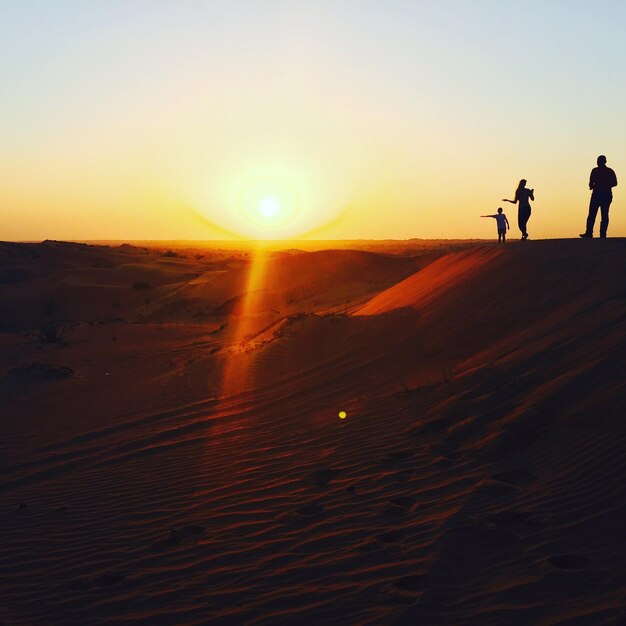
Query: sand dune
(181, 472)
(69, 283)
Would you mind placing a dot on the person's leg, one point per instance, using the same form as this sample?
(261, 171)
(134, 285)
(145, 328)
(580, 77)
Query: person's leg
(522, 219)
(591, 218)
(604, 212)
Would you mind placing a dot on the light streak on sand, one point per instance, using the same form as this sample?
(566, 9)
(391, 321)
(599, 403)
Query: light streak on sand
(237, 371)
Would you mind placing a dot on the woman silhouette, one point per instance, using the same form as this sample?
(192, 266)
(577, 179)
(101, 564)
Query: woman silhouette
(523, 196)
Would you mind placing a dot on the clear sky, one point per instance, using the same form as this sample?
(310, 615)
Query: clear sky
(129, 119)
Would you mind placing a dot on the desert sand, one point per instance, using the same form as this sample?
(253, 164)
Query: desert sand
(171, 450)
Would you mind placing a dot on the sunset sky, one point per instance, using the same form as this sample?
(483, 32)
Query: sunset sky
(328, 119)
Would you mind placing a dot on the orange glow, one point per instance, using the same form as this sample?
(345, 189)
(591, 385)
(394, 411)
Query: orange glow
(236, 374)
(267, 205)
(264, 198)
(162, 132)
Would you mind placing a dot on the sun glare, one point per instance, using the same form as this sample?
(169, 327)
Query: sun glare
(269, 207)
(262, 203)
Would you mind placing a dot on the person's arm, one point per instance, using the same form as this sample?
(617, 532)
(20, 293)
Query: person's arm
(507, 223)
(592, 178)
(531, 195)
(516, 198)
(487, 216)
(614, 182)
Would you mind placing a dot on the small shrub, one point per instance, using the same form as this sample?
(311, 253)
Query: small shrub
(52, 332)
(40, 372)
(50, 308)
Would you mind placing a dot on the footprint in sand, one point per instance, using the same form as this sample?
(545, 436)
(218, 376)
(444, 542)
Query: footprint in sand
(301, 515)
(390, 537)
(398, 458)
(496, 490)
(310, 510)
(569, 561)
(107, 579)
(518, 521)
(404, 476)
(404, 502)
(518, 478)
(322, 477)
(411, 584)
(402, 455)
(473, 537)
(400, 505)
(178, 536)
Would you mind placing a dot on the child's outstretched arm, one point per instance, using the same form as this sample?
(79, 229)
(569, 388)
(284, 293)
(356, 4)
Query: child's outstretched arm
(487, 216)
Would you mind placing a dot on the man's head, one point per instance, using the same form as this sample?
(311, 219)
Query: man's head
(601, 160)
(499, 209)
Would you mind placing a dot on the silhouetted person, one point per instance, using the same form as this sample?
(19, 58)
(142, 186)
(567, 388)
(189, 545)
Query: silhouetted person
(601, 183)
(523, 197)
(502, 223)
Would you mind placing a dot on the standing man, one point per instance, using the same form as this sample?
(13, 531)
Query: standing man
(601, 183)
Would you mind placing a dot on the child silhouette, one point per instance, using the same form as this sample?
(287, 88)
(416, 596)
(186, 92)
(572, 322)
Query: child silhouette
(502, 223)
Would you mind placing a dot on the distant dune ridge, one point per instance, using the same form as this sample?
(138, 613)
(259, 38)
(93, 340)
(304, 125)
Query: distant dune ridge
(171, 450)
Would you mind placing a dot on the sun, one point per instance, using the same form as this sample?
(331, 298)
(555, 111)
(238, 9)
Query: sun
(269, 207)
(265, 202)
